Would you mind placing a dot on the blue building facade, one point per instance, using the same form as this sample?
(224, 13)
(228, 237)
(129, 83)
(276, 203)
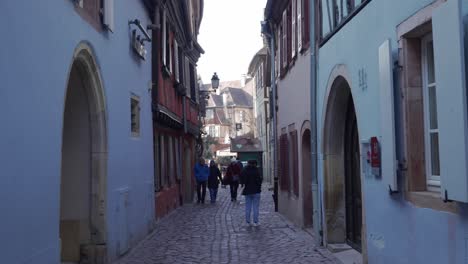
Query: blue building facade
(391, 116)
(76, 141)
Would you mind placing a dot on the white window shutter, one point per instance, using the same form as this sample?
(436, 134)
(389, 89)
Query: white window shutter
(109, 14)
(293, 28)
(164, 28)
(387, 117)
(451, 100)
(176, 61)
(284, 46)
(299, 25)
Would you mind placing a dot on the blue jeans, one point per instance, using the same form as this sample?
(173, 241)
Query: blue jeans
(252, 201)
(213, 194)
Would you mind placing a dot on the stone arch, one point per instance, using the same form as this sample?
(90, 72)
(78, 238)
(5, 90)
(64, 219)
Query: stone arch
(84, 161)
(342, 178)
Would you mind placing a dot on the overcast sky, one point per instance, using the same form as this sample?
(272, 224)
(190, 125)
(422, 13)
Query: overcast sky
(230, 35)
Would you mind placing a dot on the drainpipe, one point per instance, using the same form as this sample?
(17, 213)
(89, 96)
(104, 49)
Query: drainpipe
(317, 218)
(267, 30)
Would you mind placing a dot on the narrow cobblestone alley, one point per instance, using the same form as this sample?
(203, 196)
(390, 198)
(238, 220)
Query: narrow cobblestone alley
(217, 234)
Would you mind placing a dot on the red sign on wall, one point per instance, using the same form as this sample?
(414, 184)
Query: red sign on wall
(375, 153)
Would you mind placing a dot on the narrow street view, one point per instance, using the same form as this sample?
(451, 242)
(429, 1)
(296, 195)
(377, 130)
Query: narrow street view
(234, 131)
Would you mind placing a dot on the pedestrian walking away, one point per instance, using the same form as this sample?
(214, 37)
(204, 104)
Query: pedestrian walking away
(251, 180)
(232, 178)
(201, 172)
(213, 181)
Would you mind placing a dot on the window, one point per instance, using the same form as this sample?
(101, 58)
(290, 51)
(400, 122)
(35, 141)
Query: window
(293, 28)
(242, 116)
(284, 44)
(187, 76)
(164, 38)
(434, 102)
(181, 65)
(135, 115)
(193, 81)
(211, 131)
(176, 61)
(209, 114)
(294, 163)
(171, 161)
(431, 129)
(299, 24)
(157, 162)
(284, 163)
(90, 11)
(178, 158)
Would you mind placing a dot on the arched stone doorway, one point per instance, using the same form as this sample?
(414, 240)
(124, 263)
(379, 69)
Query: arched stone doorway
(342, 178)
(84, 164)
(307, 200)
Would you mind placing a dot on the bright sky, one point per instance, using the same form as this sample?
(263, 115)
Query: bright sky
(230, 35)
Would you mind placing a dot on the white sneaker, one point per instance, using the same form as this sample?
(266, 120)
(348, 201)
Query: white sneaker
(256, 224)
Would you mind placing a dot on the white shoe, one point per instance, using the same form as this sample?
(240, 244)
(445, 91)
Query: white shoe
(256, 224)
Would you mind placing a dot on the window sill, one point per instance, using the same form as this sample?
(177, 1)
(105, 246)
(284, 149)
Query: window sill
(431, 200)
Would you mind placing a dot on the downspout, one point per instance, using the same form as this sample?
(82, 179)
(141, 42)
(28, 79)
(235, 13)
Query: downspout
(275, 121)
(317, 213)
(269, 34)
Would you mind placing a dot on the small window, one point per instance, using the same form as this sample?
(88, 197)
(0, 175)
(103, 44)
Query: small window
(212, 131)
(135, 115)
(209, 114)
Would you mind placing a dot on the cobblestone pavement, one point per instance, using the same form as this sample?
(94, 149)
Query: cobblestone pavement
(218, 234)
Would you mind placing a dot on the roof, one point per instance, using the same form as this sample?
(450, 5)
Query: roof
(255, 60)
(245, 144)
(223, 85)
(239, 97)
(216, 100)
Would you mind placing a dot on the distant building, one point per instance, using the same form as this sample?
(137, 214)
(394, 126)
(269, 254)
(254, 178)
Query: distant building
(259, 69)
(229, 114)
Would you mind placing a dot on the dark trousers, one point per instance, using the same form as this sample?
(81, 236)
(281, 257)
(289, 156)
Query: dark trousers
(213, 194)
(201, 191)
(234, 186)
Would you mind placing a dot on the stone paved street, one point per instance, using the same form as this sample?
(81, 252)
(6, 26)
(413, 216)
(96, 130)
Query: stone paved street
(217, 234)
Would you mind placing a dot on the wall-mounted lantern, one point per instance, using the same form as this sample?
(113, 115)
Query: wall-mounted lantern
(139, 38)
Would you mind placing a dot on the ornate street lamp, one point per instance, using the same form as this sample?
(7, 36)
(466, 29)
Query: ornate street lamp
(215, 81)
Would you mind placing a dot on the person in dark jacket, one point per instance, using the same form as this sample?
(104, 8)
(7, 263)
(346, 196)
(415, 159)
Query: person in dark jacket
(202, 172)
(213, 181)
(252, 180)
(232, 178)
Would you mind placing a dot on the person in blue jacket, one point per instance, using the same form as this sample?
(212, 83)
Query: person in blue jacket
(201, 176)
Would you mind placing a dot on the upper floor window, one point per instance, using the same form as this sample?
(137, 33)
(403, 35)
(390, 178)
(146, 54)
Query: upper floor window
(98, 13)
(209, 114)
(335, 12)
(212, 131)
